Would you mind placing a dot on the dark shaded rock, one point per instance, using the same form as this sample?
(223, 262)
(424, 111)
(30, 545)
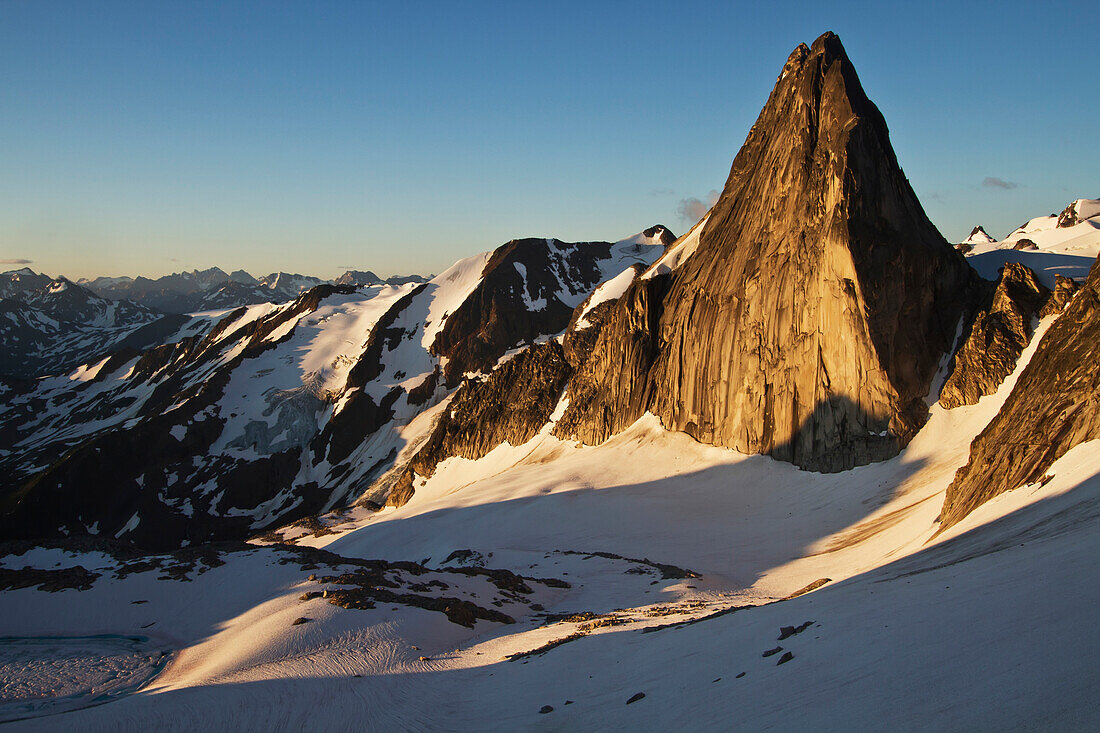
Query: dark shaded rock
(300, 620)
(998, 335)
(542, 649)
(811, 587)
(423, 392)
(739, 676)
(963, 247)
(635, 697)
(384, 336)
(785, 632)
(1054, 406)
(1064, 290)
(78, 578)
(510, 405)
(810, 322)
(668, 572)
(496, 317)
(661, 232)
(770, 652)
(1068, 217)
(546, 709)
(1025, 244)
(787, 656)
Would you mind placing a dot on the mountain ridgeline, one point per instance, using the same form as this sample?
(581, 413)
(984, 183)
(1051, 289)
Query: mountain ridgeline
(811, 319)
(809, 316)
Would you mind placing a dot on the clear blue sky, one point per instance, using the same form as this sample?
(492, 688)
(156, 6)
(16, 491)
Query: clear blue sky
(148, 137)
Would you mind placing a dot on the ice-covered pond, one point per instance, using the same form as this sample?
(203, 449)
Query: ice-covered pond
(44, 675)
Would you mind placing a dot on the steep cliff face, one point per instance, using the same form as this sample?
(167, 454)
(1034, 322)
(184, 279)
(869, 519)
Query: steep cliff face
(1054, 406)
(997, 337)
(809, 322)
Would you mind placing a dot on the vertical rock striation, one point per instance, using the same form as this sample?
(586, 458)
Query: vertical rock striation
(810, 321)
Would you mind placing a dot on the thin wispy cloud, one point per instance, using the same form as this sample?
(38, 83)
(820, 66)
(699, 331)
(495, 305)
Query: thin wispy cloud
(994, 182)
(691, 210)
(16, 262)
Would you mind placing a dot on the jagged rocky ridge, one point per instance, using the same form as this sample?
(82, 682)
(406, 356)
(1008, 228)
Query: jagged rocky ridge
(1054, 406)
(998, 335)
(810, 321)
(272, 413)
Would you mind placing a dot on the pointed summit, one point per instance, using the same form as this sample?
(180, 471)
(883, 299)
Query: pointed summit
(811, 319)
(978, 235)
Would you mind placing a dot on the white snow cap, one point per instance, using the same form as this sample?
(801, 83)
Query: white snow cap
(978, 235)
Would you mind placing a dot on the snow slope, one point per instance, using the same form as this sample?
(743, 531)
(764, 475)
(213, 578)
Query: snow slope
(1058, 250)
(988, 625)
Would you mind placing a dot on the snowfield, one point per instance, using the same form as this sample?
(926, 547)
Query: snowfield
(684, 564)
(1053, 250)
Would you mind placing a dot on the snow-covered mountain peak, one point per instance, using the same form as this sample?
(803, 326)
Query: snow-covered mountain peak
(656, 234)
(977, 236)
(1079, 211)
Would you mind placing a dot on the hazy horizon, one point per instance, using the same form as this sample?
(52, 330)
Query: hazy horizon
(150, 140)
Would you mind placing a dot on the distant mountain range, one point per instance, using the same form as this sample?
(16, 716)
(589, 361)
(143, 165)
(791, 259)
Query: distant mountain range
(49, 325)
(198, 290)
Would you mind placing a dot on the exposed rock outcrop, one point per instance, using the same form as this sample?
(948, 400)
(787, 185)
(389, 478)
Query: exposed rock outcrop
(998, 335)
(1054, 406)
(1068, 217)
(1064, 290)
(497, 317)
(809, 323)
(510, 405)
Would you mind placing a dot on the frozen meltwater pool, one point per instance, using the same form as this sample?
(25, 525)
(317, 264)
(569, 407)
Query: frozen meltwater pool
(44, 675)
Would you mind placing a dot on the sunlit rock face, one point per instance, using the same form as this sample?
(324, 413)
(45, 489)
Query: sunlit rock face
(997, 337)
(1054, 406)
(811, 320)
